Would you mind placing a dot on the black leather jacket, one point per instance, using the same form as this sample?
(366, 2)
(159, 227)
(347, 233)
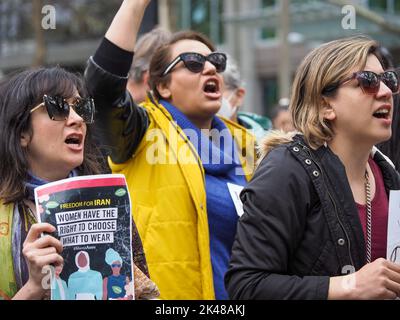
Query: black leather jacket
(120, 122)
(300, 226)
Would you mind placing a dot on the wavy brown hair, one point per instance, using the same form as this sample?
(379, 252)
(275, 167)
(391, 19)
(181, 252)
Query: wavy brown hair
(319, 76)
(18, 95)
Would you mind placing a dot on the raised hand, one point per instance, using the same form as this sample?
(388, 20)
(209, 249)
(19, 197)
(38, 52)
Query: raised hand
(126, 23)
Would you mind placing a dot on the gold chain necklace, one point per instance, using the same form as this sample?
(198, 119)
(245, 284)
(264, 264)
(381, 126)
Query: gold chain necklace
(368, 207)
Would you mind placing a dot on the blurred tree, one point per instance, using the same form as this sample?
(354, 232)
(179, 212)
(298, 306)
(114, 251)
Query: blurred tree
(370, 15)
(40, 44)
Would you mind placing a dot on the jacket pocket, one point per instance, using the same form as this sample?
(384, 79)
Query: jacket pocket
(326, 264)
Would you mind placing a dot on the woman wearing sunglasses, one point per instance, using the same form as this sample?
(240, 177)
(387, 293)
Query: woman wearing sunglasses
(179, 180)
(45, 136)
(317, 206)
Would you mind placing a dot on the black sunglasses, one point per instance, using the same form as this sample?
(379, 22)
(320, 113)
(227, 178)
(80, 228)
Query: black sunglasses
(370, 81)
(195, 62)
(58, 108)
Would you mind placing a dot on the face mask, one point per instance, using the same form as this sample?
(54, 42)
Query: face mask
(227, 110)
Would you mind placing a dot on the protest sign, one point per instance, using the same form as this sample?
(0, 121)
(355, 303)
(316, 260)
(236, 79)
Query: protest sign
(93, 222)
(393, 235)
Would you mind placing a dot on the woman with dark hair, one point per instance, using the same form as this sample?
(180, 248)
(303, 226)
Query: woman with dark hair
(43, 137)
(317, 207)
(179, 158)
(45, 118)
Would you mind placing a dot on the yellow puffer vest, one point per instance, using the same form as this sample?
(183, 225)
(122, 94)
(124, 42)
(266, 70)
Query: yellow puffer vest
(8, 287)
(167, 188)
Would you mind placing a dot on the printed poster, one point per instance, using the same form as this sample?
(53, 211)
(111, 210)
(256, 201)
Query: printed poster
(393, 238)
(93, 220)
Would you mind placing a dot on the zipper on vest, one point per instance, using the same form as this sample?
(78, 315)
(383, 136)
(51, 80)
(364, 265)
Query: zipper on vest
(334, 205)
(196, 155)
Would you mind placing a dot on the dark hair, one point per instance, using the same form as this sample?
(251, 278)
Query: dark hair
(276, 110)
(19, 93)
(385, 57)
(391, 146)
(162, 57)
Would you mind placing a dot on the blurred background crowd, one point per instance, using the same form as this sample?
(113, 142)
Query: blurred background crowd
(252, 32)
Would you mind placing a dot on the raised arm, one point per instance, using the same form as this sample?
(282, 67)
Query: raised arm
(126, 23)
(120, 123)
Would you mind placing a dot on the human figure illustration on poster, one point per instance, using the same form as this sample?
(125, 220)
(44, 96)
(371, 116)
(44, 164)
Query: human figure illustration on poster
(114, 284)
(85, 283)
(395, 254)
(59, 290)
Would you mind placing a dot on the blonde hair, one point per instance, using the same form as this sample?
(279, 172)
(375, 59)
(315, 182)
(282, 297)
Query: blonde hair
(319, 76)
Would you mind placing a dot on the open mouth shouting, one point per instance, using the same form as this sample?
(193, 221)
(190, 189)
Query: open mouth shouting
(211, 88)
(384, 114)
(75, 141)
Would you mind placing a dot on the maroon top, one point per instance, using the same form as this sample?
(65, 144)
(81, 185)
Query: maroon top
(380, 208)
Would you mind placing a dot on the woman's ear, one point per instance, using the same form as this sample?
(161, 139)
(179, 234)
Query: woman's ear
(163, 90)
(327, 111)
(25, 139)
(239, 94)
